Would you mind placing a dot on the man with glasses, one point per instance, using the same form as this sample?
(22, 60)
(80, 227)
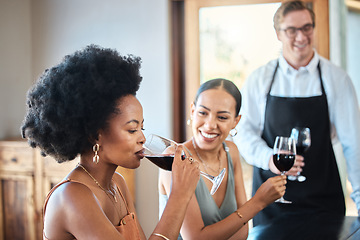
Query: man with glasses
(301, 89)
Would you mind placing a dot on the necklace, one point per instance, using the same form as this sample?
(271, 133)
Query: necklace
(202, 161)
(108, 192)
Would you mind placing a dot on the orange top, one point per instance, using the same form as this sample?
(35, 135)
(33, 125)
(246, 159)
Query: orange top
(128, 226)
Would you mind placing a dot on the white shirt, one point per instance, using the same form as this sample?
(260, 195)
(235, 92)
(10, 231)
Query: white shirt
(304, 82)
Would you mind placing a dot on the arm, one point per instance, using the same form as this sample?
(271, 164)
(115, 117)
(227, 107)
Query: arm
(240, 193)
(183, 177)
(251, 146)
(345, 116)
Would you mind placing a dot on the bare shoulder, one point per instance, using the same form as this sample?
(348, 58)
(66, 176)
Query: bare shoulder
(119, 179)
(68, 197)
(73, 191)
(231, 145)
(233, 149)
(165, 175)
(164, 181)
(234, 153)
(67, 204)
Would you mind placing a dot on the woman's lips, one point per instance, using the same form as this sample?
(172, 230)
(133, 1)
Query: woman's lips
(141, 153)
(209, 135)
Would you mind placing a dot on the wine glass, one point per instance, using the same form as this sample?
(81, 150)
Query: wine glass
(160, 151)
(284, 157)
(303, 142)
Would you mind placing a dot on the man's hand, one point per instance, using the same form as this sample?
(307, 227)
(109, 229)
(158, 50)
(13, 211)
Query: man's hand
(297, 167)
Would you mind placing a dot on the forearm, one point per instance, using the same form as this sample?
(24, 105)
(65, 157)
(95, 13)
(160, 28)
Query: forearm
(255, 151)
(251, 146)
(235, 225)
(172, 217)
(241, 234)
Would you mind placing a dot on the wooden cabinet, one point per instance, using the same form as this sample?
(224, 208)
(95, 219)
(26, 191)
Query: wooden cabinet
(25, 179)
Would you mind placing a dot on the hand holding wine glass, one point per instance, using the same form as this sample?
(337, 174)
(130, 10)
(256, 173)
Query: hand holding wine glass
(184, 173)
(284, 157)
(272, 189)
(302, 138)
(160, 151)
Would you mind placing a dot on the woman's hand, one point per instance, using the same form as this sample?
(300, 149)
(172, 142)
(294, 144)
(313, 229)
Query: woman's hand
(271, 190)
(185, 174)
(180, 183)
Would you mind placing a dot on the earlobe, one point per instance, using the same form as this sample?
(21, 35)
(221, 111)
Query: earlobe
(192, 107)
(98, 139)
(95, 139)
(237, 119)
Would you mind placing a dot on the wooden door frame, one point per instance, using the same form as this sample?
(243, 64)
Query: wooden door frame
(186, 69)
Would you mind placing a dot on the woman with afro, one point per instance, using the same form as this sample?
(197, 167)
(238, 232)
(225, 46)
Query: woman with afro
(86, 106)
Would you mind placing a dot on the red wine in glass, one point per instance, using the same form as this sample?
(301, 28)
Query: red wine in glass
(162, 161)
(301, 149)
(284, 162)
(160, 151)
(284, 157)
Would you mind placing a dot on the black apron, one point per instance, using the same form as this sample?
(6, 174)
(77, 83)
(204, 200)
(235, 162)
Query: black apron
(322, 190)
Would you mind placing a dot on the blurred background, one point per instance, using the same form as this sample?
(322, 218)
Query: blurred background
(36, 34)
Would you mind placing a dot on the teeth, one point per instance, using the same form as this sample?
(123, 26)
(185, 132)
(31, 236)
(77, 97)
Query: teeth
(208, 135)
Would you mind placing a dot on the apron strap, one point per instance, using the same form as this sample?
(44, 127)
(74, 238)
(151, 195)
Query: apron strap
(273, 77)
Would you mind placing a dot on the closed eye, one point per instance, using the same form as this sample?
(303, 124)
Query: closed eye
(223, 118)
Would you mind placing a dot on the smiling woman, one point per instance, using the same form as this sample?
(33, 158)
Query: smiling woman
(224, 214)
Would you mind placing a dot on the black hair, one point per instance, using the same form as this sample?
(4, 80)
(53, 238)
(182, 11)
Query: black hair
(221, 83)
(73, 100)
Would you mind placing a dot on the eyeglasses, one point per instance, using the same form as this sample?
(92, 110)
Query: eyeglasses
(291, 32)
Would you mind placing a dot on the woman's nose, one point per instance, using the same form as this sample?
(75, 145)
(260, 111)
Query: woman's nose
(210, 123)
(142, 138)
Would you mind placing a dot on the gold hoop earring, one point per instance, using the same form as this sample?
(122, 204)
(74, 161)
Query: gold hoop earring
(96, 148)
(233, 132)
(188, 122)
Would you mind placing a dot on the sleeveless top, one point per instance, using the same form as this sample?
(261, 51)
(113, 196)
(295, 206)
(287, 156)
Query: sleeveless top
(128, 224)
(210, 212)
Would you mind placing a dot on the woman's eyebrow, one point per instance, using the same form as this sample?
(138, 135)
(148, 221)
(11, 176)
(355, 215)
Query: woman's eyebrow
(135, 121)
(218, 111)
(205, 107)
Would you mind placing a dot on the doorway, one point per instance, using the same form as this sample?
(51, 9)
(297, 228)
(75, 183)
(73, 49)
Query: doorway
(228, 39)
(240, 54)
(234, 41)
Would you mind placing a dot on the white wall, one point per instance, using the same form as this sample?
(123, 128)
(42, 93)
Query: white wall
(353, 49)
(15, 64)
(344, 40)
(36, 34)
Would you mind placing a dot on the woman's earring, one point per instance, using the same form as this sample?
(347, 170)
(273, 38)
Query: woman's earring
(188, 122)
(96, 148)
(233, 132)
